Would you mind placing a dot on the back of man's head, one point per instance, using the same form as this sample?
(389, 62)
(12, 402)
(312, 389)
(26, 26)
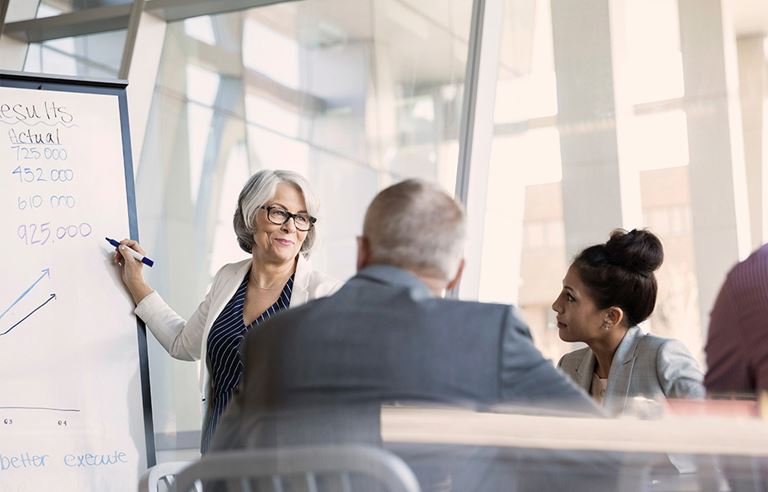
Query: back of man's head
(416, 226)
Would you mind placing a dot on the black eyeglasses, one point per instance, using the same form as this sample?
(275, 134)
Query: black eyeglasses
(279, 216)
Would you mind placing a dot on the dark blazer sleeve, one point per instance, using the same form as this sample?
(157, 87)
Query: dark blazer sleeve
(530, 380)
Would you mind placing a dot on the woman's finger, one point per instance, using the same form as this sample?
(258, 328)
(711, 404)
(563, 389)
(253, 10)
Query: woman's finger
(134, 245)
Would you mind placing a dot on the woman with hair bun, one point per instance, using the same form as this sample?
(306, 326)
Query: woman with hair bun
(608, 290)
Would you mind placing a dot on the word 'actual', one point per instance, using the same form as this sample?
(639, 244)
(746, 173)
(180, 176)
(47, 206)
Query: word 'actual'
(39, 138)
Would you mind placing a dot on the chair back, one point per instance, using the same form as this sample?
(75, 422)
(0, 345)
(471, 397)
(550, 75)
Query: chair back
(162, 473)
(272, 469)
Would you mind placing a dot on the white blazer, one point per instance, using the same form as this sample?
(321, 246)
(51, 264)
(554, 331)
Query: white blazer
(186, 339)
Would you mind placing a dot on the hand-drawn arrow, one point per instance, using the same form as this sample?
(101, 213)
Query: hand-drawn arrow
(50, 298)
(46, 273)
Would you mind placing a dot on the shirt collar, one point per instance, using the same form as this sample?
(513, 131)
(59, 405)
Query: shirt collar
(392, 275)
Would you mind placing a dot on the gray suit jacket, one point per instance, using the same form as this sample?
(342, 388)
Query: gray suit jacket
(318, 374)
(643, 365)
(383, 338)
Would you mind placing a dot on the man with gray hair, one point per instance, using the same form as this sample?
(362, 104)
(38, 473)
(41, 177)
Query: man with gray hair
(320, 373)
(416, 227)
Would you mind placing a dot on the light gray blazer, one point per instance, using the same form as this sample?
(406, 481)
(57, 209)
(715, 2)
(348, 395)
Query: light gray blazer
(643, 365)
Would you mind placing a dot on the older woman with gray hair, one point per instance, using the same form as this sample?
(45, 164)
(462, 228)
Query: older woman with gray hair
(274, 223)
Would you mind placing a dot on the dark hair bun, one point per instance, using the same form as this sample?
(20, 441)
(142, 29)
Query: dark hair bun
(638, 251)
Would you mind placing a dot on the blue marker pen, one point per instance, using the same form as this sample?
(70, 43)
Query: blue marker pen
(133, 253)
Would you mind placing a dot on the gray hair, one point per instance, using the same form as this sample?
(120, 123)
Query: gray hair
(259, 189)
(416, 226)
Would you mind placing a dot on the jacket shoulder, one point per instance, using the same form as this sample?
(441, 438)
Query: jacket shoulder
(570, 361)
(667, 350)
(230, 269)
(652, 343)
(484, 311)
(677, 370)
(491, 307)
(322, 283)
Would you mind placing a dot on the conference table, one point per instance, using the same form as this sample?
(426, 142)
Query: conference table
(722, 440)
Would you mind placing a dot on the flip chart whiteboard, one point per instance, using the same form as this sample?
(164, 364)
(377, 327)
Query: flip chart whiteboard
(74, 396)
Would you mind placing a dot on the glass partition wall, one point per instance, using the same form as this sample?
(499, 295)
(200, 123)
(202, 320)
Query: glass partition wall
(619, 114)
(353, 95)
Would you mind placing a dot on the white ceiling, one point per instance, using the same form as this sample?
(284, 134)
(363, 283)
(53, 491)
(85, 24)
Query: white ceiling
(425, 40)
(749, 16)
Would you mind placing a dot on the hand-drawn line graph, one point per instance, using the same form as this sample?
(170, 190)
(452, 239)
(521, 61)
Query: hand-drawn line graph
(50, 298)
(45, 273)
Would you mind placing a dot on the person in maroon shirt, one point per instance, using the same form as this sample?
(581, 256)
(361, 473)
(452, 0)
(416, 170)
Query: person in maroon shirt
(737, 354)
(737, 344)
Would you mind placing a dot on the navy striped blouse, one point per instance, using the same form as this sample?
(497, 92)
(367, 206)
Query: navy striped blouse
(224, 341)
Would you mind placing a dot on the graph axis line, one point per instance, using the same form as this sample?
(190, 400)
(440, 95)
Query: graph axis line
(40, 408)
